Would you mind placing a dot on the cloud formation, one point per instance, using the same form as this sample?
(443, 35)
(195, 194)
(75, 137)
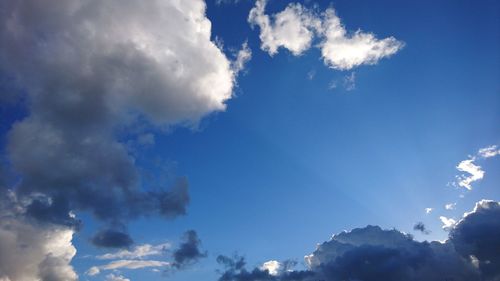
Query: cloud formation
(473, 171)
(189, 251)
(90, 71)
(127, 264)
(296, 27)
(32, 251)
(372, 254)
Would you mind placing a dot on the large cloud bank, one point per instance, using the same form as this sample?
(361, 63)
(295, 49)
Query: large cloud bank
(89, 69)
(296, 27)
(471, 253)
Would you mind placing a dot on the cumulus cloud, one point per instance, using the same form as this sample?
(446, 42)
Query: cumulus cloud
(296, 27)
(372, 254)
(90, 70)
(448, 223)
(428, 210)
(292, 28)
(33, 251)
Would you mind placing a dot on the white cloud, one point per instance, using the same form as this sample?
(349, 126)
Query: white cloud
(450, 206)
(448, 223)
(272, 266)
(128, 264)
(490, 151)
(112, 277)
(350, 81)
(473, 170)
(138, 252)
(428, 210)
(475, 173)
(344, 52)
(292, 28)
(296, 27)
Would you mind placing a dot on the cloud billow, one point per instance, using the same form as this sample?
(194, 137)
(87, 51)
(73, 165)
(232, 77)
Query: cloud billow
(372, 254)
(90, 69)
(296, 28)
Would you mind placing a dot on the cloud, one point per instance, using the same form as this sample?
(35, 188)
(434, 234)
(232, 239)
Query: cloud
(420, 226)
(450, 206)
(291, 28)
(127, 264)
(474, 171)
(296, 27)
(112, 277)
(32, 251)
(91, 70)
(344, 52)
(112, 239)
(372, 254)
(273, 267)
(242, 57)
(350, 81)
(477, 237)
(448, 223)
(138, 252)
(189, 251)
(428, 210)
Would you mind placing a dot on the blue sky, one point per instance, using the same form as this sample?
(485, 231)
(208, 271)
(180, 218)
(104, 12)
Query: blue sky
(303, 151)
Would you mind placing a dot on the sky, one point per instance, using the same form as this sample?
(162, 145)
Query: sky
(249, 140)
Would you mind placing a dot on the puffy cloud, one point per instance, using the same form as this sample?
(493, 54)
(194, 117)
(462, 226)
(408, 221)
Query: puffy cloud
(490, 151)
(33, 251)
(477, 237)
(296, 27)
(92, 69)
(292, 28)
(273, 267)
(189, 251)
(428, 210)
(448, 223)
(372, 254)
(138, 252)
(341, 51)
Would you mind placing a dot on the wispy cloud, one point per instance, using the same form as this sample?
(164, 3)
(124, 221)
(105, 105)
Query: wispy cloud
(138, 252)
(128, 264)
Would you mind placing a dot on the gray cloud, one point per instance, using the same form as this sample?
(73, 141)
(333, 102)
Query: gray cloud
(32, 251)
(372, 254)
(91, 70)
(189, 251)
(112, 239)
(420, 226)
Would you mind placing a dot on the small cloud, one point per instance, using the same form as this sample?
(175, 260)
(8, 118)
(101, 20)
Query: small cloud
(420, 226)
(473, 171)
(189, 251)
(272, 266)
(450, 206)
(112, 239)
(428, 210)
(138, 252)
(350, 81)
(112, 277)
(243, 56)
(311, 74)
(448, 223)
(490, 151)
